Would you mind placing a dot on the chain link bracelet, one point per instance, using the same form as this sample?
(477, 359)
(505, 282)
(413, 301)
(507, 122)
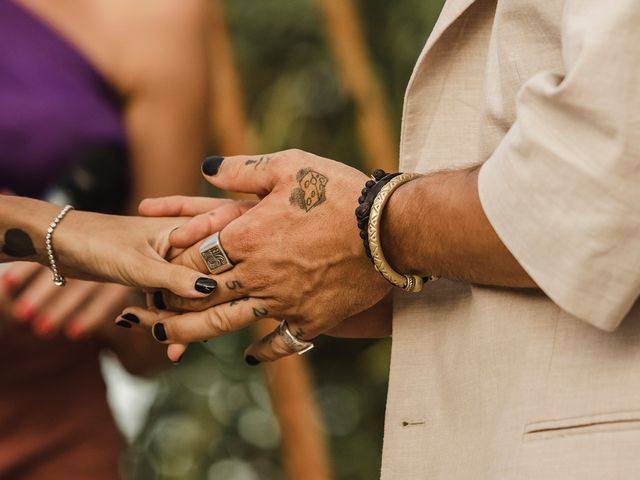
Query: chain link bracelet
(58, 279)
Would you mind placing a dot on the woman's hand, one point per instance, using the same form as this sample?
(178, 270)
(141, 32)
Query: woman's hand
(297, 254)
(126, 250)
(91, 246)
(80, 309)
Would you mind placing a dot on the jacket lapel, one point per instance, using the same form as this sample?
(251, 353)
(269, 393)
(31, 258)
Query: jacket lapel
(451, 11)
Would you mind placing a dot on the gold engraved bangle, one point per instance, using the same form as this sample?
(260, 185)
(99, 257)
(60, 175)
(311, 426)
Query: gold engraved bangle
(410, 283)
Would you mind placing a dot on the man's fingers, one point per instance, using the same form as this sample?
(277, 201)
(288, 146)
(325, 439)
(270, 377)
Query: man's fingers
(242, 173)
(179, 206)
(231, 285)
(205, 224)
(270, 348)
(213, 322)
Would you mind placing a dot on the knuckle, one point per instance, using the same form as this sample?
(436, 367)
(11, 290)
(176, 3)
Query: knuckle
(218, 322)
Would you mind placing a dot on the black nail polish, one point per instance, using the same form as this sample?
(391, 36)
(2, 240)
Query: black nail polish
(159, 333)
(211, 165)
(251, 360)
(131, 317)
(123, 324)
(206, 285)
(158, 300)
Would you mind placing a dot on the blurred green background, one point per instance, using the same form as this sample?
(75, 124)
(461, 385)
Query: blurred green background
(212, 417)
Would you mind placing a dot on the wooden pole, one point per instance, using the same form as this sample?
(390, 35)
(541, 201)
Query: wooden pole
(304, 449)
(345, 35)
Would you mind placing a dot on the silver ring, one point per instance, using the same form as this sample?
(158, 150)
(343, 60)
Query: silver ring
(214, 256)
(293, 343)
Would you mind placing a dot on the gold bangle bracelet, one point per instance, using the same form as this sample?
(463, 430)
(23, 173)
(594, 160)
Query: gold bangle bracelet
(410, 283)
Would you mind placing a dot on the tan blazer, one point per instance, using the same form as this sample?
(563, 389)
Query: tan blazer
(493, 383)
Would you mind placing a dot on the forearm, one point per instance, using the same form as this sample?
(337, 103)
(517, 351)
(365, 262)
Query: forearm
(23, 226)
(436, 225)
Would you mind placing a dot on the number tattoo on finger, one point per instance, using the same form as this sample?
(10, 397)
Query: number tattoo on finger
(261, 162)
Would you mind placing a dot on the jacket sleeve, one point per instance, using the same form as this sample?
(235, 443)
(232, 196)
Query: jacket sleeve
(562, 190)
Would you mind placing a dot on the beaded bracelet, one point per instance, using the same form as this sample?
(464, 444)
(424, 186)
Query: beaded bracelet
(371, 189)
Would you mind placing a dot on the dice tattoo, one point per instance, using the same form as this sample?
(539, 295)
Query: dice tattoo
(312, 189)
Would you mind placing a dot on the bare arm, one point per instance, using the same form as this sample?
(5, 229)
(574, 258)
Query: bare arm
(436, 225)
(166, 116)
(23, 224)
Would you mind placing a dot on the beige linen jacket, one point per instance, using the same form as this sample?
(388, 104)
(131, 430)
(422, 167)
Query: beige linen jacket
(496, 383)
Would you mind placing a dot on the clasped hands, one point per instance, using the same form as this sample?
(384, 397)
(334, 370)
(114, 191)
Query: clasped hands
(296, 252)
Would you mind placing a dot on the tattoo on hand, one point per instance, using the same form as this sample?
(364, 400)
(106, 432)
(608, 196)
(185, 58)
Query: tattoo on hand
(18, 244)
(236, 302)
(312, 190)
(260, 312)
(233, 284)
(262, 161)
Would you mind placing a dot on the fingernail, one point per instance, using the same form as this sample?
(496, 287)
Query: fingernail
(206, 285)
(159, 333)
(24, 311)
(8, 282)
(251, 360)
(123, 324)
(75, 331)
(43, 325)
(131, 317)
(211, 165)
(158, 300)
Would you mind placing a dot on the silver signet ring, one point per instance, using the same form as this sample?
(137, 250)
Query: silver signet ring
(214, 256)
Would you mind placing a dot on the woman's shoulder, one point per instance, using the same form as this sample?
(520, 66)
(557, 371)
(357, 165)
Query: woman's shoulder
(152, 36)
(126, 40)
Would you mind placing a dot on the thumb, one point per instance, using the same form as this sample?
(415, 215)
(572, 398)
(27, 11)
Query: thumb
(242, 173)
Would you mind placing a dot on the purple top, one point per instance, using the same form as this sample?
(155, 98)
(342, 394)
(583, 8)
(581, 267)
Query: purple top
(55, 107)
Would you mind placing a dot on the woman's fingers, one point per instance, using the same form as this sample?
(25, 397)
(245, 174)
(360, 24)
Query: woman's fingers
(106, 301)
(205, 224)
(179, 206)
(31, 299)
(156, 273)
(175, 351)
(18, 273)
(132, 316)
(61, 305)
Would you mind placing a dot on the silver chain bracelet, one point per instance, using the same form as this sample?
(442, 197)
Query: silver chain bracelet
(58, 279)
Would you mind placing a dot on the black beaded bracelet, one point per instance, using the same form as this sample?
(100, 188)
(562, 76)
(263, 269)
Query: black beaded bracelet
(371, 189)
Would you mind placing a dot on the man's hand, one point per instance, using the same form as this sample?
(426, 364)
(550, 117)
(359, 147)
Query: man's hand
(297, 254)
